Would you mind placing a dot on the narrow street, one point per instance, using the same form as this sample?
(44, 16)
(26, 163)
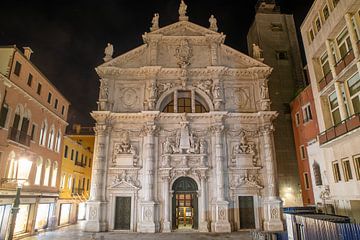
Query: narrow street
(74, 232)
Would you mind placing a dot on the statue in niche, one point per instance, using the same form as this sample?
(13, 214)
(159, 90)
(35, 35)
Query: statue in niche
(217, 91)
(257, 51)
(168, 148)
(153, 91)
(203, 146)
(244, 146)
(109, 51)
(264, 91)
(183, 53)
(213, 23)
(155, 22)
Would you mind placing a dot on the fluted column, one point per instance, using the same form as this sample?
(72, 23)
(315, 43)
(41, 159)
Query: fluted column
(96, 219)
(272, 202)
(147, 218)
(340, 99)
(222, 223)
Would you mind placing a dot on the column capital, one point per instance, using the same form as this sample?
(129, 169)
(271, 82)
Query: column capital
(149, 129)
(100, 129)
(267, 129)
(217, 128)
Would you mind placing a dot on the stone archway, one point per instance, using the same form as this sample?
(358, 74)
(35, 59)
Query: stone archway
(185, 204)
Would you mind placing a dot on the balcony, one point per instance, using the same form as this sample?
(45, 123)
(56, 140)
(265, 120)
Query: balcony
(325, 80)
(344, 62)
(19, 136)
(349, 124)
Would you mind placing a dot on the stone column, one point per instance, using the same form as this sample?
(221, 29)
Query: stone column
(222, 223)
(331, 58)
(147, 215)
(340, 99)
(272, 202)
(96, 220)
(352, 34)
(203, 226)
(166, 223)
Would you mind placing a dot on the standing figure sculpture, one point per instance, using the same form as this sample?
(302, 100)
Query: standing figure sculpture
(155, 22)
(109, 51)
(257, 51)
(182, 11)
(213, 23)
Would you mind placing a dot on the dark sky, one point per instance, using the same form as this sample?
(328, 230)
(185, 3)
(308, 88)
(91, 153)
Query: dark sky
(68, 37)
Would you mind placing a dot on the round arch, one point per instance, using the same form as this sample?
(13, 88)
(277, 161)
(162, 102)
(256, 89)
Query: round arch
(185, 184)
(166, 97)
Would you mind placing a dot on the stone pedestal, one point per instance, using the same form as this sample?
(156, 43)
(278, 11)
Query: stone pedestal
(222, 223)
(95, 217)
(272, 214)
(147, 223)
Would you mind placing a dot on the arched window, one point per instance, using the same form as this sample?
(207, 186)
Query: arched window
(19, 112)
(62, 182)
(185, 102)
(58, 141)
(47, 172)
(54, 174)
(51, 137)
(70, 182)
(12, 172)
(43, 132)
(39, 164)
(317, 173)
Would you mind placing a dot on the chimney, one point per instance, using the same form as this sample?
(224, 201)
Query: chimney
(27, 52)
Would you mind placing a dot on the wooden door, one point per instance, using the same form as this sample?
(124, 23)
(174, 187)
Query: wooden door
(246, 212)
(122, 213)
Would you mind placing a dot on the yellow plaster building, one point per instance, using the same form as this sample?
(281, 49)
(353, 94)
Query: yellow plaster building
(75, 174)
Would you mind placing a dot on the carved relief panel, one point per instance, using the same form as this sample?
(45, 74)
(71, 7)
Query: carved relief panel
(128, 98)
(239, 98)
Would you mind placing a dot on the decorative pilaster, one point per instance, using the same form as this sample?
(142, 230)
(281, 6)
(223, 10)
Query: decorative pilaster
(222, 223)
(204, 225)
(166, 188)
(147, 211)
(96, 219)
(272, 202)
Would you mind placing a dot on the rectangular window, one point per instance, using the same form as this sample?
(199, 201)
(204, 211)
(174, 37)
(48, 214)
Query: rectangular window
(326, 12)
(76, 156)
(347, 170)
(88, 185)
(297, 118)
(85, 164)
(29, 81)
(354, 89)
(3, 114)
(66, 149)
(32, 136)
(56, 103)
(38, 90)
(307, 115)
(318, 24)
(306, 181)
(336, 172)
(357, 166)
(344, 43)
(325, 66)
(311, 35)
(302, 152)
(334, 108)
(72, 154)
(17, 68)
(49, 97)
(62, 110)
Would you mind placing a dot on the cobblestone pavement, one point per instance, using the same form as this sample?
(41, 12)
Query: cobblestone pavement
(73, 232)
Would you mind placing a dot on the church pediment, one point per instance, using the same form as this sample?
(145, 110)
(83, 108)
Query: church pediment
(184, 28)
(236, 59)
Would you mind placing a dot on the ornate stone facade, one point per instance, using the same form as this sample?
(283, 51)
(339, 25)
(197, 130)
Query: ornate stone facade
(146, 139)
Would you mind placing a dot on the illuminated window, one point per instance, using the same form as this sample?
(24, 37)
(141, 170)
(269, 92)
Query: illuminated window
(354, 89)
(54, 174)
(43, 131)
(344, 43)
(39, 164)
(58, 141)
(47, 172)
(347, 170)
(184, 104)
(307, 116)
(306, 181)
(12, 166)
(51, 138)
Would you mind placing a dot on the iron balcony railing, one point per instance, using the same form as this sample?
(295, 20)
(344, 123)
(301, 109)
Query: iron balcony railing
(345, 126)
(19, 136)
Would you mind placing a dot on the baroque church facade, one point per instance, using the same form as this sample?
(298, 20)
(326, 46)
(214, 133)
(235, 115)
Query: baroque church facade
(184, 136)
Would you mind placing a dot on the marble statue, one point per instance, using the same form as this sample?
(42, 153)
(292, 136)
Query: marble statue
(264, 91)
(257, 51)
(109, 51)
(213, 23)
(182, 10)
(155, 22)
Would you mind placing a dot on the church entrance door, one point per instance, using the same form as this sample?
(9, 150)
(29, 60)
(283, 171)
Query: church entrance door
(185, 204)
(122, 213)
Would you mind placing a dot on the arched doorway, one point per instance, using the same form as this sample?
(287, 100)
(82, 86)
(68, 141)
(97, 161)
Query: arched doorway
(184, 204)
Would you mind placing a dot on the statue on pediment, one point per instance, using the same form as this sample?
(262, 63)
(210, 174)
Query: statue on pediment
(109, 51)
(213, 23)
(182, 11)
(257, 51)
(155, 22)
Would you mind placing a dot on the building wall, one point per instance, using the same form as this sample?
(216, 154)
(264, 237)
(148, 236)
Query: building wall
(333, 67)
(21, 99)
(275, 33)
(305, 134)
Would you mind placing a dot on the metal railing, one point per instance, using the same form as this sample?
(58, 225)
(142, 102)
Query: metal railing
(19, 136)
(344, 61)
(328, 77)
(345, 126)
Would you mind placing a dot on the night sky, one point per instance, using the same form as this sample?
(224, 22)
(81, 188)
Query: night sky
(68, 37)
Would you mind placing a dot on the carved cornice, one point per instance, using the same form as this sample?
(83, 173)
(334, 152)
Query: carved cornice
(101, 117)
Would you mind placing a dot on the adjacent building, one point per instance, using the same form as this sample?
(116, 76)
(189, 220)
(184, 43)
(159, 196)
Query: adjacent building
(275, 34)
(330, 34)
(32, 125)
(306, 130)
(75, 174)
(183, 136)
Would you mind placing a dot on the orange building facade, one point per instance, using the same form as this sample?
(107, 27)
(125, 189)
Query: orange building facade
(305, 129)
(33, 117)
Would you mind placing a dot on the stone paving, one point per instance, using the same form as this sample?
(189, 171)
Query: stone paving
(74, 232)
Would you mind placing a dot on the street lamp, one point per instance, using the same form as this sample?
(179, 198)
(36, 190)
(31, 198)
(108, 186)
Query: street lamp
(21, 177)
